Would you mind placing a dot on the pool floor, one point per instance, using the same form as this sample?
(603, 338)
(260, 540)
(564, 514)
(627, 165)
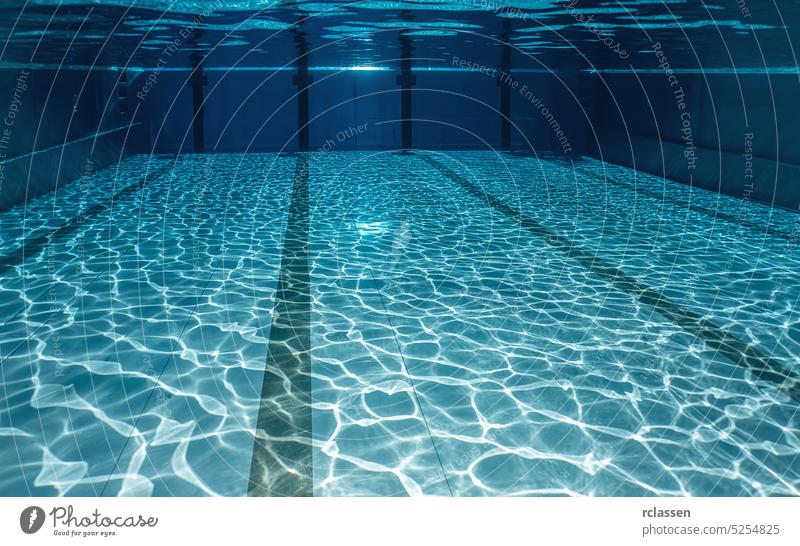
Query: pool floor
(352, 323)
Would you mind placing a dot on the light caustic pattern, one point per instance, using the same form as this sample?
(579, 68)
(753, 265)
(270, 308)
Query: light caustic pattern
(480, 324)
(143, 359)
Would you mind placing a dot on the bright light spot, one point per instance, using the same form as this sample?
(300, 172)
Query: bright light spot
(371, 228)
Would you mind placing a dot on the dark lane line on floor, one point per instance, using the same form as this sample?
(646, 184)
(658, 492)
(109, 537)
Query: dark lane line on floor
(35, 243)
(282, 453)
(55, 312)
(40, 243)
(760, 365)
(715, 214)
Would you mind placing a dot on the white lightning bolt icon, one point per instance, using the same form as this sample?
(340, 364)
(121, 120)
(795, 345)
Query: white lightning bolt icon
(34, 517)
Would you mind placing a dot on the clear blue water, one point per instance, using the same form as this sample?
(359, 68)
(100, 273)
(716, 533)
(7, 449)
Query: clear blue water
(340, 322)
(465, 323)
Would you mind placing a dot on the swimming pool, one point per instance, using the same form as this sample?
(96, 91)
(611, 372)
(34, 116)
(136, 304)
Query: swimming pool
(377, 323)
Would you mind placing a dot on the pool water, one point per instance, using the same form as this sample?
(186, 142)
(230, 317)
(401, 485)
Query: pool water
(428, 323)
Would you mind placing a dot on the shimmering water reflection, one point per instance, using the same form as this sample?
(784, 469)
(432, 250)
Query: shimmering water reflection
(452, 348)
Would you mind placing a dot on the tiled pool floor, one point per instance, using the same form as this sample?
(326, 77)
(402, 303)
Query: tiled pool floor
(462, 323)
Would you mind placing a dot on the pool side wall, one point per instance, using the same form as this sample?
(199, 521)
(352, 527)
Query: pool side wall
(735, 134)
(56, 127)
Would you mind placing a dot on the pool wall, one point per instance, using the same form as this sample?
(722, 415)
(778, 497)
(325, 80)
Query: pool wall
(56, 128)
(726, 138)
(257, 111)
(741, 127)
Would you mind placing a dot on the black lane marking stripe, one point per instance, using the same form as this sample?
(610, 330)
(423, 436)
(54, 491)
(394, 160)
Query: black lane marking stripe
(760, 365)
(716, 214)
(282, 453)
(34, 243)
(84, 289)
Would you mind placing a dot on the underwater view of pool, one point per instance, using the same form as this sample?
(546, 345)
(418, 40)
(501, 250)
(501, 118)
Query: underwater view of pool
(444, 323)
(445, 248)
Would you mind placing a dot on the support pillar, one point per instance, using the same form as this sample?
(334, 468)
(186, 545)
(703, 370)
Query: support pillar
(303, 80)
(505, 89)
(197, 81)
(406, 80)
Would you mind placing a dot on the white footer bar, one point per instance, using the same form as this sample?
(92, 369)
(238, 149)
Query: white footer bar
(387, 522)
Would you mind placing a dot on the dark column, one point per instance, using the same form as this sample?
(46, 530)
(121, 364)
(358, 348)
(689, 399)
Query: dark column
(302, 79)
(282, 455)
(406, 80)
(197, 81)
(505, 89)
